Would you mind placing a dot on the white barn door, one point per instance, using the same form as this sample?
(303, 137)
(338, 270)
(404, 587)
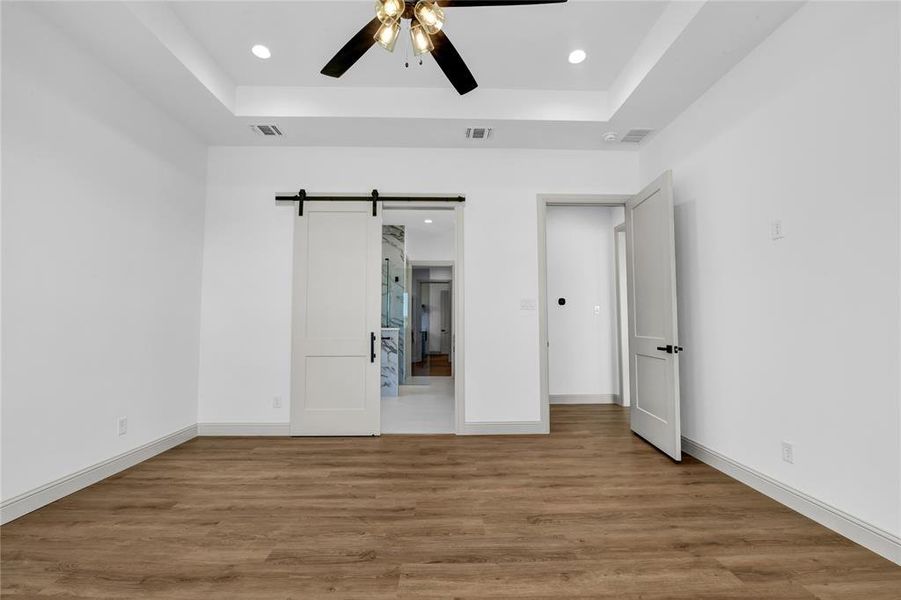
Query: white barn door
(336, 330)
(653, 336)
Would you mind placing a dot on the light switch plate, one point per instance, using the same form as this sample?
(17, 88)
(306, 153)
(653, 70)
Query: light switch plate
(528, 304)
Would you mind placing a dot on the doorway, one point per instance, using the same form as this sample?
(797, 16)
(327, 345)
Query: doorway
(421, 245)
(653, 352)
(433, 322)
(351, 326)
(581, 304)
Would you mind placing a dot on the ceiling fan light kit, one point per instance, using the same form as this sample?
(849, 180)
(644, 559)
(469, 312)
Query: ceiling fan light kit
(389, 10)
(421, 40)
(426, 35)
(387, 35)
(429, 15)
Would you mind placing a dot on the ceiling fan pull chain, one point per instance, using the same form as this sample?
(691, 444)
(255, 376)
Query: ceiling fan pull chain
(406, 56)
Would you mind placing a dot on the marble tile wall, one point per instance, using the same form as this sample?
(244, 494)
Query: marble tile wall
(394, 269)
(390, 362)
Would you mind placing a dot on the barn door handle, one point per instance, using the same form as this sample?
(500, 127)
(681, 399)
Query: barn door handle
(670, 349)
(372, 346)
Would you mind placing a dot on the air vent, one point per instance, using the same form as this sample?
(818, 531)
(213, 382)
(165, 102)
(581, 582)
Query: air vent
(266, 130)
(635, 136)
(478, 133)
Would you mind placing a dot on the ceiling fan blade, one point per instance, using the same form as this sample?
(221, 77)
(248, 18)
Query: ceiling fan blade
(452, 64)
(464, 3)
(355, 48)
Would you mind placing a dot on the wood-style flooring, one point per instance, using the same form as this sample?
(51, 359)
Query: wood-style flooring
(588, 512)
(434, 365)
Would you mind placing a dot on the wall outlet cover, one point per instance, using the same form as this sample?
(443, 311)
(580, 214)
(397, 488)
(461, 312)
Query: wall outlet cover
(788, 452)
(277, 402)
(777, 229)
(122, 425)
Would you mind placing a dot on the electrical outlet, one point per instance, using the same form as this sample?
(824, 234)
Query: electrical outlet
(123, 425)
(597, 309)
(777, 230)
(788, 452)
(277, 402)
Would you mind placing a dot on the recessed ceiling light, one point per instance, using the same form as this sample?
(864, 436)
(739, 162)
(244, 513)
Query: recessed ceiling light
(577, 56)
(261, 51)
(427, 221)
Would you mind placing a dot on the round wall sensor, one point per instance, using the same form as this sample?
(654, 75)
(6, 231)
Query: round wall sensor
(610, 136)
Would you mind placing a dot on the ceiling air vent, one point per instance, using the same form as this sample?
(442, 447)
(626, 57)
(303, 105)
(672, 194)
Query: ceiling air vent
(478, 133)
(635, 136)
(266, 130)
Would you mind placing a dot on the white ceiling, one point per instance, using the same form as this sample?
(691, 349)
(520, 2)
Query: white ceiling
(647, 62)
(523, 47)
(414, 220)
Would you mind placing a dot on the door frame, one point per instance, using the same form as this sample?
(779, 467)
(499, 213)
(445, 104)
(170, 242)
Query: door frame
(458, 288)
(619, 274)
(425, 264)
(450, 287)
(545, 200)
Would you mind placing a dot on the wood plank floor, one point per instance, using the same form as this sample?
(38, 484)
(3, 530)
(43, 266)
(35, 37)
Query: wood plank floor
(587, 512)
(434, 365)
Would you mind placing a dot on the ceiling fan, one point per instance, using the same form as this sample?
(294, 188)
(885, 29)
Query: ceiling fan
(426, 22)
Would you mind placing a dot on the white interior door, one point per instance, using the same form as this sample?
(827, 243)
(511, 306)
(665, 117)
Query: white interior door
(335, 373)
(653, 338)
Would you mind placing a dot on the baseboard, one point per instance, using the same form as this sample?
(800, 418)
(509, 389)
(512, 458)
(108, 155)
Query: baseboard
(42, 496)
(504, 428)
(869, 536)
(243, 429)
(583, 398)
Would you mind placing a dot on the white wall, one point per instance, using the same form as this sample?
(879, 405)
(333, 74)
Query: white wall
(245, 330)
(102, 241)
(796, 339)
(581, 265)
